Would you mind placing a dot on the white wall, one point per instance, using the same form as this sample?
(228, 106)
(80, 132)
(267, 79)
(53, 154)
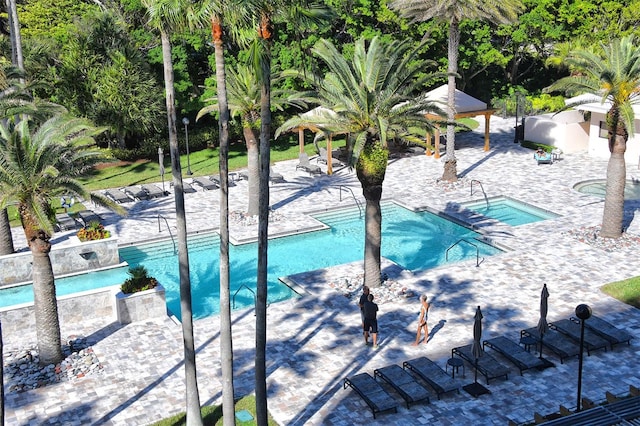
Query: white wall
(599, 147)
(566, 130)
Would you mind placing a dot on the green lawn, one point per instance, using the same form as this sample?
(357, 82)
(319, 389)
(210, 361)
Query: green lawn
(212, 415)
(627, 291)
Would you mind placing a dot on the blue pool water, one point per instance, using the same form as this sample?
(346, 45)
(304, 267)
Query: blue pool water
(598, 188)
(416, 241)
(509, 211)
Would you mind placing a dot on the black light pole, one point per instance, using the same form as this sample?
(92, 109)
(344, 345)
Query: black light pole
(583, 312)
(185, 121)
(515, 137)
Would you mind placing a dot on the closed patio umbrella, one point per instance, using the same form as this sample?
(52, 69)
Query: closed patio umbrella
(544, 307)
(476, 348)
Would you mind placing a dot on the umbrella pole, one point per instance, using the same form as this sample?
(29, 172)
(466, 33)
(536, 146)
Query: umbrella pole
(476, 375)
(541, 337)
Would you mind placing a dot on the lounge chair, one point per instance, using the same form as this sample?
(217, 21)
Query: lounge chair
(592, 341)
(373, 394)
(135, 192)
(305, 165)
(606, 330)
(88, 216)
(117, 196)
(275, 177)
(558, 343)
(515, 353)
(153, 191)
(243, 175)
(543, 157)
(403, 383)
(216, 179)
(488, 366)
(205, 183)
(187, 188)
(323, 157)
(64, 222)
(431, 373)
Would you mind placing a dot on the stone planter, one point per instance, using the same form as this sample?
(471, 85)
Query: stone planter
(141, 306)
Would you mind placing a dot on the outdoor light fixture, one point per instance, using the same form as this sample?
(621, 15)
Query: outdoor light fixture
(185, 121)
(583, 312)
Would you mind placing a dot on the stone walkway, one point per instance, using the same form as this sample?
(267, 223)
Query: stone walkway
(315, 341)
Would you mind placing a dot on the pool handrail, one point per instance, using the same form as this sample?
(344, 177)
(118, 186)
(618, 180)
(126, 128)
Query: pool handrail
(353, 195)
(482, 188)
(175, 251)
(238, 290)
(446, 256)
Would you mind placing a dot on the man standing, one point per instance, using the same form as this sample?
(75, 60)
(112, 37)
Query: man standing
(363, 298)
(370, 310)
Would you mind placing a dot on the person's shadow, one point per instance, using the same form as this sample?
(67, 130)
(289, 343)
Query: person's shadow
(435, 329)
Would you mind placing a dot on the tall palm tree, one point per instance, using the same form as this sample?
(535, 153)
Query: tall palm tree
(373, 99)
(165, 16)
(305, 14)
(612, 73)
(454, 12)
(39, 161)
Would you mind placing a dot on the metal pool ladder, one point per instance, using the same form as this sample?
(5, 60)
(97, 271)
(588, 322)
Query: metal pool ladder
(346, 188)
(238, 291)
(462, 240)
(175, 251)
(482, 188)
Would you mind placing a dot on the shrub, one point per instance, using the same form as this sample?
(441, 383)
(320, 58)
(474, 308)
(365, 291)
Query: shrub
(93, 231)
(139, 280)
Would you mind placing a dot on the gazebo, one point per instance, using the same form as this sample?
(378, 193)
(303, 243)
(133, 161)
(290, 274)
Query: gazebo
(466, 106)
(318, 111)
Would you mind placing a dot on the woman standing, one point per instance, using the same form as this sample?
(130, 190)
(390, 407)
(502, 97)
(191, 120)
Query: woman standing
(422, 320)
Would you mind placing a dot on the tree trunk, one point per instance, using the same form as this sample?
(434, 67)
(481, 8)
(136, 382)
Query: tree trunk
(616, 178)
(194, 417)
(16, 38)
(226, 339)
(6, 238)
(450, 173)
(265, 32)
(253, 170)
(44, 299)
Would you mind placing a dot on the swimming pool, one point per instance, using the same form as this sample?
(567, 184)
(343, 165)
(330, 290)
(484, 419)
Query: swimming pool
(509, 211)
(598, 188)
(414, 240)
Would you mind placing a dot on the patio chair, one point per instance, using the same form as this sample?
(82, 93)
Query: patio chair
(275, 177)
(543, 157)
(187, 188)
(135, 192)
(558, 343)
(117, 196)
(372, 393)
(592, 341)
(323, 157)
(153, 191)
(64, 222)
(205, 183)
(487, 365)
(403, 383)
(515, 353)
(611, 333)
(216, 179)
(305, 165)
(432, 374)
(88, 216)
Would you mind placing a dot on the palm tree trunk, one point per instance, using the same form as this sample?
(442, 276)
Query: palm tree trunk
(193, 399)
(6, 238)
(226, 339)
(253, 170)
(373, 241)
(265, 31)
(450, 173)
(44, 300)
(616, 177)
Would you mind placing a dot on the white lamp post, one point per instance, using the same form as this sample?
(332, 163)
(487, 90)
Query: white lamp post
(185, 121)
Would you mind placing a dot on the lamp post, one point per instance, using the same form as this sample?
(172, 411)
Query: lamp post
(583, 312)
(516, 139)
(161, 163)
(185, 121)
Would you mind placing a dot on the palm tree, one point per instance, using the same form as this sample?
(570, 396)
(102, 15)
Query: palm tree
(39, 161)
(373, 100)
(455, 11)
(165, 16)
(610, 72)
(243, 95)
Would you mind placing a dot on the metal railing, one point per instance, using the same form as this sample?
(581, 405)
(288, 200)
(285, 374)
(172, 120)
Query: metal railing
(482, 188)
(346, 188)
(238, 290)
(462, 240)
(175, 250)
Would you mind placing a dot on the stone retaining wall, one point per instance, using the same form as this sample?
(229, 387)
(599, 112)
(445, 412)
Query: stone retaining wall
(67, 259)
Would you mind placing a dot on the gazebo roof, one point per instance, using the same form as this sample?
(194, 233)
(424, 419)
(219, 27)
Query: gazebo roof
(464, 102)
